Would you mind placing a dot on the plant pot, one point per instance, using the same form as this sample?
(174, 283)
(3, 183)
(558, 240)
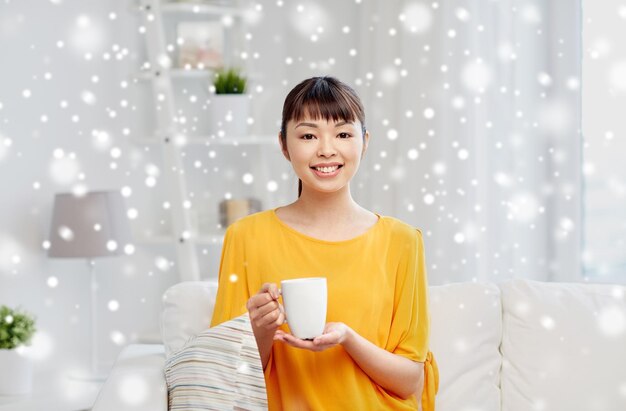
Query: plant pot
(229, 113)
(16, 373)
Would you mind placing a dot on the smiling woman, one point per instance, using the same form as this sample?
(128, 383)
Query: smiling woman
(311, 115)
(324, 149)
(373, 352)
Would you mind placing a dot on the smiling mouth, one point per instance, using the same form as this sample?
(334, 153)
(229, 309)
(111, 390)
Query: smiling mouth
(327, 169)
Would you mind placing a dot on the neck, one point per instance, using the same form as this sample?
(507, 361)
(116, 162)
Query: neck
(327, 208)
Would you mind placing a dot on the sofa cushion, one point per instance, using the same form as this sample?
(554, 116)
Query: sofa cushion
(564, 346)
(187, 310)
(219, 369)
(465, 337)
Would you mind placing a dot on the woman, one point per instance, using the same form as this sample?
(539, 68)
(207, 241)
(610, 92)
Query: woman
(373, 353)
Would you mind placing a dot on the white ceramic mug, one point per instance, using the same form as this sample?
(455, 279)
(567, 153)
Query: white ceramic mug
(305, 302)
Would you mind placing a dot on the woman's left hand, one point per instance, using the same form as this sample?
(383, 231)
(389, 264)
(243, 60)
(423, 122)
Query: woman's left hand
(334, 334)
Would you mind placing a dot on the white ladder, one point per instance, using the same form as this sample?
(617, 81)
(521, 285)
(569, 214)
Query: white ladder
(167, 128)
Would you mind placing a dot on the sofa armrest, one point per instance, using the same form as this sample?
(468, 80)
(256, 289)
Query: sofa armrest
(136, 381)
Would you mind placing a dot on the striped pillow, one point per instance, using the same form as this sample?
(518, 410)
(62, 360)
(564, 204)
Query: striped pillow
(218, 369)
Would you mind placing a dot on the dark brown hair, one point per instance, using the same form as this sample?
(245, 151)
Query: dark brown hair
(321, 97)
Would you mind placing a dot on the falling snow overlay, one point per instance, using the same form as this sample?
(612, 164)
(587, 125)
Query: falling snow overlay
(497, 128)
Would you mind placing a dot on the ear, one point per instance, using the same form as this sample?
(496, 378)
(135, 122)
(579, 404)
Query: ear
(366, 141)
(283, 149)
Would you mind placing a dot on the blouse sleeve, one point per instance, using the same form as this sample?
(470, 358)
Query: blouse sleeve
(232, 289)
(410, 326)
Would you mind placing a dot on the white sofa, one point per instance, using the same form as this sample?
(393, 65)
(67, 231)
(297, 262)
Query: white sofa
(518, 345)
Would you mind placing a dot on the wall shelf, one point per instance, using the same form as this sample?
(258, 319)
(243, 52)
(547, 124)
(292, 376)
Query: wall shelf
(184, 74)
(211, 140)
(197, 8)
(216, 238)
(177, 73)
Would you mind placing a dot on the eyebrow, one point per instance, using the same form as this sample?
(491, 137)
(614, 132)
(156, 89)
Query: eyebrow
(341, 123)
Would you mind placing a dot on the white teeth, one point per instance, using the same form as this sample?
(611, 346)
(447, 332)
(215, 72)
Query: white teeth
(327, 169)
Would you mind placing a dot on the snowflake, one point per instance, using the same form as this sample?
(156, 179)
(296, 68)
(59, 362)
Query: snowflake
(416, 18)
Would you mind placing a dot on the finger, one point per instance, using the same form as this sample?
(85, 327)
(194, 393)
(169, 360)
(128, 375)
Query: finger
(265, 287)
(278, 337)
(263, 305)
(259, 315)
(329, 338)
(271, 289)
(259, 300)
(274, 291)
(306, 345)
(268, 321)
(329, 327)
(265, 309)
(296, 342)
(280, 320)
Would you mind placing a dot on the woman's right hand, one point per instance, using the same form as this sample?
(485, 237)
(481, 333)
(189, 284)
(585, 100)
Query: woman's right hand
(266, 313)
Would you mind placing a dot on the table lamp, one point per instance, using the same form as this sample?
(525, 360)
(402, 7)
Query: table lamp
(89, 226)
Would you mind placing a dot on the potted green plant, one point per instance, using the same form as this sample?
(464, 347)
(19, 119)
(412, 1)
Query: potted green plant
(16, 330)
(230, 105)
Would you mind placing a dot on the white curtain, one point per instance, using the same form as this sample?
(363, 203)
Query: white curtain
(474, 110)
(604, 129)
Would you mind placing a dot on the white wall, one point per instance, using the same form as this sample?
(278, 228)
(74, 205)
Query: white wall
(31, 35)
(30, 174)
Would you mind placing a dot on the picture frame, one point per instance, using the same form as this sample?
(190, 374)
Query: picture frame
(201, 45)
(202, 2)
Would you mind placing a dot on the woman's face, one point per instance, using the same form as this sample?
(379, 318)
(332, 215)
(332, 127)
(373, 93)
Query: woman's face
(325, 154)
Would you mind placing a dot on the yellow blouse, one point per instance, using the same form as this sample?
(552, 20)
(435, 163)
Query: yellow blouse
(376, 285)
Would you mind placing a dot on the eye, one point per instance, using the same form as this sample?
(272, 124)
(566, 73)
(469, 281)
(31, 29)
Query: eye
(345, 135)
(306, 136)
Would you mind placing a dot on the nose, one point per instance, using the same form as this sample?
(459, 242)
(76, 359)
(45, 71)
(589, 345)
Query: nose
(326, 147)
